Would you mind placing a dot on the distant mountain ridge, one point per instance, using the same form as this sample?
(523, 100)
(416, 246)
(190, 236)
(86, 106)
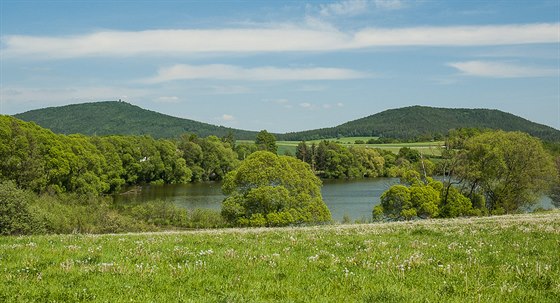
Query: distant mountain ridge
(423, 123)
(122, 118)
(407, 123)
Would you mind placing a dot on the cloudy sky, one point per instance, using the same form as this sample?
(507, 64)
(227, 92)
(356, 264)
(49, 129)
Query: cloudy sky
(282, 65)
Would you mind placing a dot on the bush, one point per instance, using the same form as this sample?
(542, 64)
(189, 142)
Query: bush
(72, 213)
(16, 217)
(456, 205)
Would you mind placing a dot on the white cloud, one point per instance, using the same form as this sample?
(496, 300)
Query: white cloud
(357, 7)
(168, 99)
(226, 117)
(339, 104)
(267, 73)
(312, 88)
(306, 105)
(14, 99)
(270, 39)
(460, 35)
(389, 4)
(224, 90)
(501, 70)
(346, 7)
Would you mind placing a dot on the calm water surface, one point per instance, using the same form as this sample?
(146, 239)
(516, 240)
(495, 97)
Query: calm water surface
(354, 198)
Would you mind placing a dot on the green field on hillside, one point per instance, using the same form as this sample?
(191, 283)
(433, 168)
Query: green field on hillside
(431, 148)
(488, 259)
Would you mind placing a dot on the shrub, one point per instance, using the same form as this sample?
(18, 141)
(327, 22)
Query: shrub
(16, 217)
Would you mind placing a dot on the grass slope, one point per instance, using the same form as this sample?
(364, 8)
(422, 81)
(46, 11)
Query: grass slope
(422, 122)
(121, 118)
(492, 259)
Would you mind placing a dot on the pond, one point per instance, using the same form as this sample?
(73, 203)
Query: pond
(354, 198)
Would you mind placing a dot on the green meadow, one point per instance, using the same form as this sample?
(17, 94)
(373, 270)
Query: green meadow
(430, 148)
(487, 259)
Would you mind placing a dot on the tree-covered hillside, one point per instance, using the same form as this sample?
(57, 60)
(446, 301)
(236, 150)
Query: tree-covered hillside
(121, 118)
(408, 123)
(424, 123)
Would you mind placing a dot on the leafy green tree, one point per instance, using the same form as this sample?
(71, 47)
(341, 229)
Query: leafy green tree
(511, 169)
(218, 158)
(320, 156)
(266, 141)
(230, 139)
(425, 199)
(369, 161)
(456, 205)
(395, 200)
(409, 154)
(271, 190)
(244, 150)
(193, 155)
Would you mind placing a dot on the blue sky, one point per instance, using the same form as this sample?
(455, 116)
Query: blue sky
(283, 65)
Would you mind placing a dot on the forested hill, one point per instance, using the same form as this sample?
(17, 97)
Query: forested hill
(408, 123)
(422, 123)
(121, 118)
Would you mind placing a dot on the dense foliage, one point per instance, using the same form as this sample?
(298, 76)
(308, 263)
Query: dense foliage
(271, 190)
(266, 141)
(421, 123)
(37, 159)
(331, 160)
(510, 169)
(484, 172)
(16, 218)
(121, 118)
(23, 212)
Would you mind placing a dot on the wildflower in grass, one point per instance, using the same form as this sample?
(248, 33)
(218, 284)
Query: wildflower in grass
(313, 258)
(205, 252)
(347, 272)
(199, 263)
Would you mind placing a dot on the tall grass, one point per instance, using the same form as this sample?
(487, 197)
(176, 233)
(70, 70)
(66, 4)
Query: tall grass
(491, 259)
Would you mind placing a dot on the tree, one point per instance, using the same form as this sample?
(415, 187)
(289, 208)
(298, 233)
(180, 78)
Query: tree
(245, 149)
(303, 152)
(510, 169)
(271, 190)
(457, 205)
(425, 199)
(395, 200)
(409, 154)
(369, 161)
(266, 141)
(555, 190)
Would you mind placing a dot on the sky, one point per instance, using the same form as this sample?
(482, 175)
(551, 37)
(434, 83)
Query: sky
(282, 65)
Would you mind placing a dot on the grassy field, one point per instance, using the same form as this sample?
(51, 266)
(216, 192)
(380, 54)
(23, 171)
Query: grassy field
(491, 259)
(432, 148)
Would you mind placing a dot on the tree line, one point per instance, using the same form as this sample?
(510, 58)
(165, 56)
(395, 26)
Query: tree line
(484, 172)
(42, 161)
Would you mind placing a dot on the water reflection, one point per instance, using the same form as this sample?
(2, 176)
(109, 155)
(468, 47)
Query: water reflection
(354, 198)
